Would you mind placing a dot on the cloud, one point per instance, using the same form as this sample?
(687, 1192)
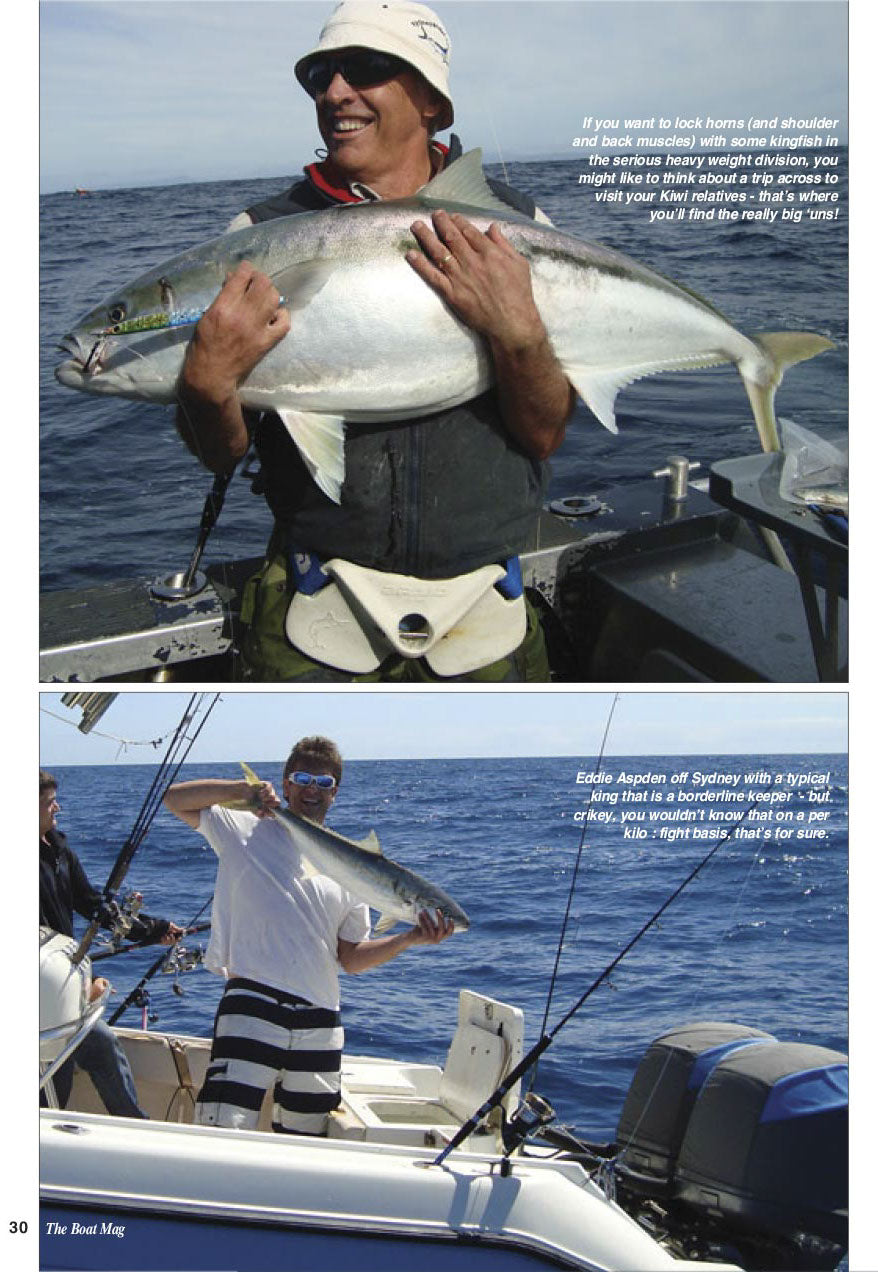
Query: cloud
(140, 93)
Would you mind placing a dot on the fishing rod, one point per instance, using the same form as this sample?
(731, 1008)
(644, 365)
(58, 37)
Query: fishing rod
(191, 581)
(151, 804)
(137, 991)
(572, 889)
(547, 1039)
(142, 945)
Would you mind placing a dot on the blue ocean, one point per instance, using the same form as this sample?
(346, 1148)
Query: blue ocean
(121, 497)
(759, 937)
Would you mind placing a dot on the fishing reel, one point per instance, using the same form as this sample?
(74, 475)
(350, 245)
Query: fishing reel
(142, 1000)
(123, 912)
(532, 1114)
(182, 960)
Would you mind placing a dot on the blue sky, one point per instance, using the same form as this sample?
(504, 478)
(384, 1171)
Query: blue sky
(392, 724)
(144, 92)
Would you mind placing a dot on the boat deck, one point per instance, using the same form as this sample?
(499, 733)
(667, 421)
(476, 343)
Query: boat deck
(632, 586)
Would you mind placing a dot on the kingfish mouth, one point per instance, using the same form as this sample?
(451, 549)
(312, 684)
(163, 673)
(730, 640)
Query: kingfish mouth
(86, 360)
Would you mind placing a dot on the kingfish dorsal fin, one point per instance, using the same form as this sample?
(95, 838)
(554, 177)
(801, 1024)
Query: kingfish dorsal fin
(320, 442)
(385, 923)
(370, 844)
(299, 283)
(464, 182)
(246, 804)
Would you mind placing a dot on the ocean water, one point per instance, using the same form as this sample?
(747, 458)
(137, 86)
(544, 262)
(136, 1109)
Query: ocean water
(759, 937)
(121, 497)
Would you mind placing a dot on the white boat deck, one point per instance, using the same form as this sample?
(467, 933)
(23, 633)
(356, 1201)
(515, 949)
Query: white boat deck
(373, 1176)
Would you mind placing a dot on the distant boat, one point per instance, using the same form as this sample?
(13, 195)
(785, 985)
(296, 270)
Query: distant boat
(80, 190)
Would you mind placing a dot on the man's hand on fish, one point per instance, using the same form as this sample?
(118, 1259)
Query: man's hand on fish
(487, 283)
(236, 331)
(244, 322)
(430, 931)
(481, 276)
(264, 798)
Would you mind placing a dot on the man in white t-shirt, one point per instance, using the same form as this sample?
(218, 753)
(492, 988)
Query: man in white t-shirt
(279, 937)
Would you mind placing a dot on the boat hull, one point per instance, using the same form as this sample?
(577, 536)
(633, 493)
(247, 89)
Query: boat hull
(142, 1242)
(189, 1198)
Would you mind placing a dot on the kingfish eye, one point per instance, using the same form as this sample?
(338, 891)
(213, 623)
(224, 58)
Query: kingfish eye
(116, 313)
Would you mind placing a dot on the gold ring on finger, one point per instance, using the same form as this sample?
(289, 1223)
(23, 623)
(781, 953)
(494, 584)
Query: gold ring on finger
(445, 259)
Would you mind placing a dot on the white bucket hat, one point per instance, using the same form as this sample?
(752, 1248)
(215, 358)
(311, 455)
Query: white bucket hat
(411, 32)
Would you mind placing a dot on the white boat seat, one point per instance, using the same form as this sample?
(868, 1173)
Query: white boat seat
(425, 1105)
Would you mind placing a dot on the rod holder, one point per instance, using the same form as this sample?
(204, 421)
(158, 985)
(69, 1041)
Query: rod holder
(179, 586)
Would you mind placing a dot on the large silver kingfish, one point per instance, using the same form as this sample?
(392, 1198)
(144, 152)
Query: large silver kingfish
(397, 893)
(371, 341)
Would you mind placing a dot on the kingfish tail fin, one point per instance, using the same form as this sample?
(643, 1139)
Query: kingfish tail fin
(246, 805)
(781, 349)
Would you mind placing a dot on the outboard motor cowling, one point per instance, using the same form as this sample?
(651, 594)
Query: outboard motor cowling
(766, 1145)
(662, 1094)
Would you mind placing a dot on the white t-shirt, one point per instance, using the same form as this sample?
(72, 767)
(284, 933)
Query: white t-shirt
(269, 921)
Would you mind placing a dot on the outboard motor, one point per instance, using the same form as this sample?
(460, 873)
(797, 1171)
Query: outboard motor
(66, 1014)
(766, 1147)
(661, 1097)
(734, 1146)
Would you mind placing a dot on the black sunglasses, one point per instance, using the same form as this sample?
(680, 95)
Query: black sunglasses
(361, 68)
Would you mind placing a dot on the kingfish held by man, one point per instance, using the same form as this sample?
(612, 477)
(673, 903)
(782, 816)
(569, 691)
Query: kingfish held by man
(397, 893)
(372, 342)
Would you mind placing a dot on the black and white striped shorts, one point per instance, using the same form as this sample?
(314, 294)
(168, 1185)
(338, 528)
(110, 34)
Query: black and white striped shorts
(265, 1038)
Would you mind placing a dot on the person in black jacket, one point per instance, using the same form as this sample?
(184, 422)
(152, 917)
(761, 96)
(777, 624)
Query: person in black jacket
(65, 888)
(449, 494)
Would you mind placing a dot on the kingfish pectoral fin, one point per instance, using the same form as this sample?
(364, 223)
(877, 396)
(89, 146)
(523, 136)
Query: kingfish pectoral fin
(320, 441)
(781, 349)
(298, 284)
(245, 804)
(384, 924)
(464, 182)
(370, 844)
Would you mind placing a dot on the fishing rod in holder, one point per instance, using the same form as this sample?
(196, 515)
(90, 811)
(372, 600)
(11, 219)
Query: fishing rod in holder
(123, 915)
(183, 584)
(548, 1038)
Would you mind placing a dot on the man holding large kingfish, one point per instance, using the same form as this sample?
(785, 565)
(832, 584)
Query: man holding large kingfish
(290, 909)
(423, 544)
(402, 339)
